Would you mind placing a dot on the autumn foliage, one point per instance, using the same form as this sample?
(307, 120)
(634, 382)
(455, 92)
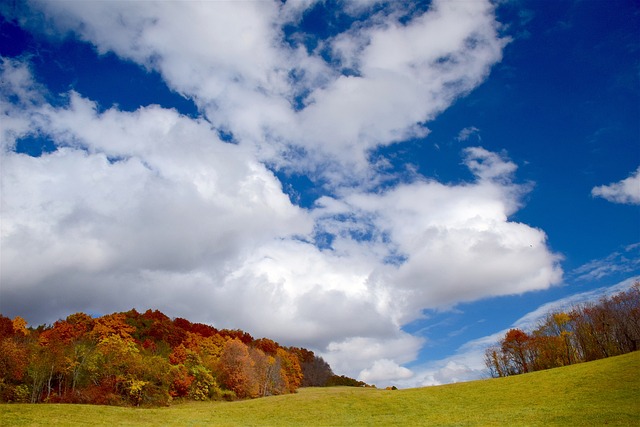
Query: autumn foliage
(145, 359)
(587, 332)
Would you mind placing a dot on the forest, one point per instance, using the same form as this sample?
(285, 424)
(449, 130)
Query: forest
(147, 359)
(586, 332)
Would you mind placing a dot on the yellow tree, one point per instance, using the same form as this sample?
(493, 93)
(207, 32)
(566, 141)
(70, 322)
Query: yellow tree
(291, 370)
(112, 324)
(20, 326)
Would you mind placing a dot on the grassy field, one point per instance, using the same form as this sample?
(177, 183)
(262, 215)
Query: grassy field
(605, 392)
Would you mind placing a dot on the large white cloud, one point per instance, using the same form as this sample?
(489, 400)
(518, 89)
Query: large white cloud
(454, 242)
(150, 209)
(626, 191)
(232, 58)
(128, 193)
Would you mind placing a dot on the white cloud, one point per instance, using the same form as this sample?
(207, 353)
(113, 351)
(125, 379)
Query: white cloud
(150, 209)
(18, 85)
(229, 57)
(375, 355)
(452, 372)
(487, 165)
(129, 193)
(233, 60)
(309, 296)
(406, 75)
(457, 241)
(467, 133)
(626, 191)
(384, 370)
(626, 260)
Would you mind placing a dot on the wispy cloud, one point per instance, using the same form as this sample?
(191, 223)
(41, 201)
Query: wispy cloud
(467, 133)
(467, 363)
(531, 320)
(626, 260)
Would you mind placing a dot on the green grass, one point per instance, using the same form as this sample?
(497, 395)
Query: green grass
(605, 392)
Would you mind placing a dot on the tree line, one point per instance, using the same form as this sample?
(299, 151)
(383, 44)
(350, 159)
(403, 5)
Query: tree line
(134, 358)
(586, 332)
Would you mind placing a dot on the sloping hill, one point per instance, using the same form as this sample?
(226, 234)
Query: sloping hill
(604, 392)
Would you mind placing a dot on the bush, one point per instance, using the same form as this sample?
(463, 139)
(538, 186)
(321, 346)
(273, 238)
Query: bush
(22, 393)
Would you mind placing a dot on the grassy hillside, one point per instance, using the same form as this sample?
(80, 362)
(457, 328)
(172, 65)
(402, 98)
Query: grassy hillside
(605, 392)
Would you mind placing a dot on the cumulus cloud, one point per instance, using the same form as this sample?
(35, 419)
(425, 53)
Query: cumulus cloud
(238, 67)
(151, 209)
(384, 370)
(455, 242)
(131, 192)
(416, 69)
(626, 191)
(380, 358)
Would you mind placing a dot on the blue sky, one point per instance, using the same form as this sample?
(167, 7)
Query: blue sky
(391, 184)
